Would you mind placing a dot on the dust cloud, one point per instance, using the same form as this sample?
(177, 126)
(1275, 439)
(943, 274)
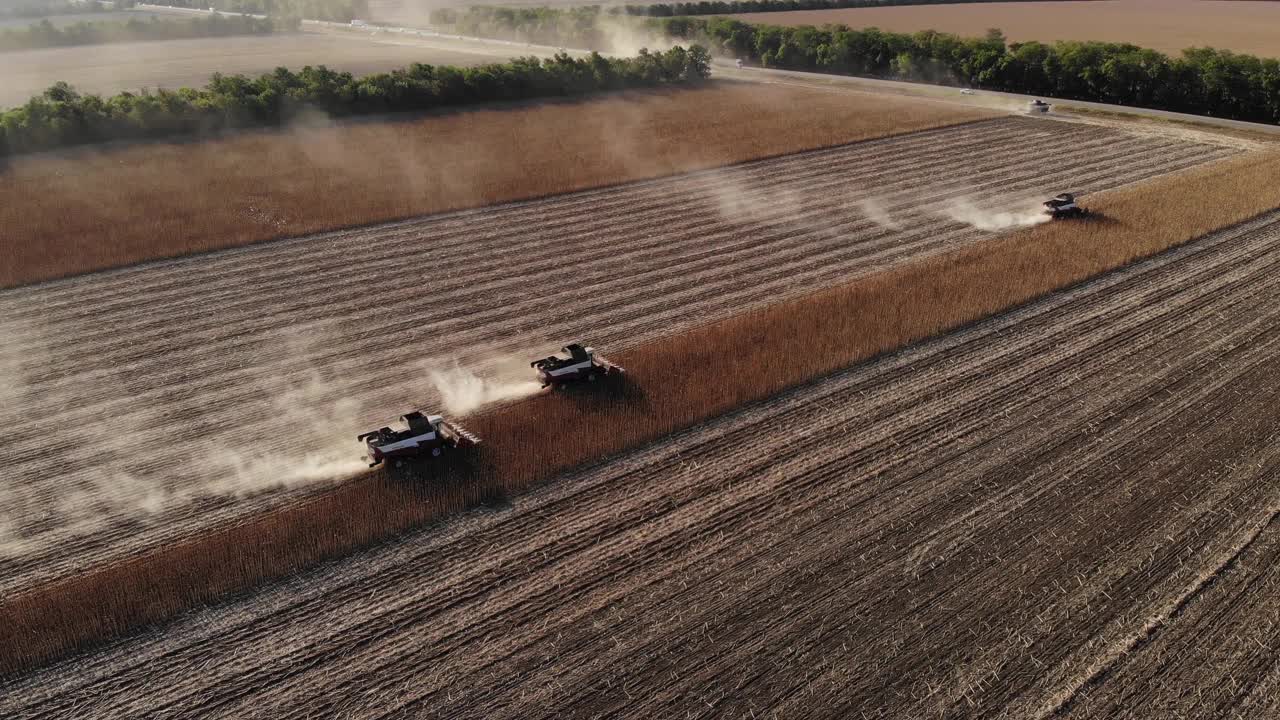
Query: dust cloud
(128, 454)
(463, 390)
(966, 211)
(875, 211)
(319, 447)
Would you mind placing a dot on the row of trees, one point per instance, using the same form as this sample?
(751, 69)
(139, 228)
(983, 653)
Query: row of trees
(720, 7)
(45, 34)
(1201, 81)
(43, 8)
(331, 10)
(62, 117)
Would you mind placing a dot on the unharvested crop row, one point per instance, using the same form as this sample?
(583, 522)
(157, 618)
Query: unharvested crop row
(208, 361)
(733, 540)
(678, 384)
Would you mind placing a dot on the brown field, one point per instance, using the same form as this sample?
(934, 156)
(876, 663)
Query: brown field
(172, 64)
(805, 236)
(85, 211)
(1069, 510)
(416, 13)
(1165, 25)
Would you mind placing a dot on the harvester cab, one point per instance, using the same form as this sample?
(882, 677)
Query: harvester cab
(579, 364)
(1038, 106)
(422, 436)
(1062, 206)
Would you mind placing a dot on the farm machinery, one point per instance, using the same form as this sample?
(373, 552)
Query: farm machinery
(578, 364)
(422, 436)
(1038, 106)
(1063, 206)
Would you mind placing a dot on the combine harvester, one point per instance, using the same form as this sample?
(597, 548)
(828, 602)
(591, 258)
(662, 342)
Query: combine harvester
(1063, 206)
(1038, 106)
(431, 436)
(423, 436)
(580, 364)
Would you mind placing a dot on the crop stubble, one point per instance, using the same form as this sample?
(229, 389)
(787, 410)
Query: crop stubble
(85, 210)
(198, 352)
(980, 525)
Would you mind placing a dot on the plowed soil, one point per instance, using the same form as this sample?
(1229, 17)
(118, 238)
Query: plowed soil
(1070, 510)
(140, 401)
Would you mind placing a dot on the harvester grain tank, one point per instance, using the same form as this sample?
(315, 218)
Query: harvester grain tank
(578, 364)
(1063, 206)
(422, 436)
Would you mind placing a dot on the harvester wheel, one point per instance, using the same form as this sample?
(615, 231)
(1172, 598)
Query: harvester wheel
(435, 452)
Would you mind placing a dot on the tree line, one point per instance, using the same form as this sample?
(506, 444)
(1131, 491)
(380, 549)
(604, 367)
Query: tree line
(1201, 81)
(756, 6)
(42, 8)
(61, 117)
(330, 10)
(45, 34)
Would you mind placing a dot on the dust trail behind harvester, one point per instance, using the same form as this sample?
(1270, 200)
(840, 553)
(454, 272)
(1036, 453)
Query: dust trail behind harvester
(464, 390)
(324, 449)
(875, 211)
(966, 211)
(101, 417)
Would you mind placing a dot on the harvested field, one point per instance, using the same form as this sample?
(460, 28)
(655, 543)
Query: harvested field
(85, 210)
(1166, 25)
(1091, 482)
(253, 382)
(172, 64)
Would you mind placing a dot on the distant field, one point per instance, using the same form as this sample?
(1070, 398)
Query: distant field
(1165, 25)
(413, 13)
(82, 210)
(176, 63)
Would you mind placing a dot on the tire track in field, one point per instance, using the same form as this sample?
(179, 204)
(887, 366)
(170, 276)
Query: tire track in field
(1048, 440)
(191, 358)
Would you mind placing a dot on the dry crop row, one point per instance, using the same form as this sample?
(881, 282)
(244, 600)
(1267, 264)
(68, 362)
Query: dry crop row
(791, 558)
(82, 211)
(206, 352)
(681, 382)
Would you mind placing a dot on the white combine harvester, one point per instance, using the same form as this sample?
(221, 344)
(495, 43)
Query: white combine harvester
(1063, 206)
(423, 436)
(580, 364)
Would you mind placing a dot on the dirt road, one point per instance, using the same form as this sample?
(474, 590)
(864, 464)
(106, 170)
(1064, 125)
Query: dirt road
(140, 401)
(1070, 510)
